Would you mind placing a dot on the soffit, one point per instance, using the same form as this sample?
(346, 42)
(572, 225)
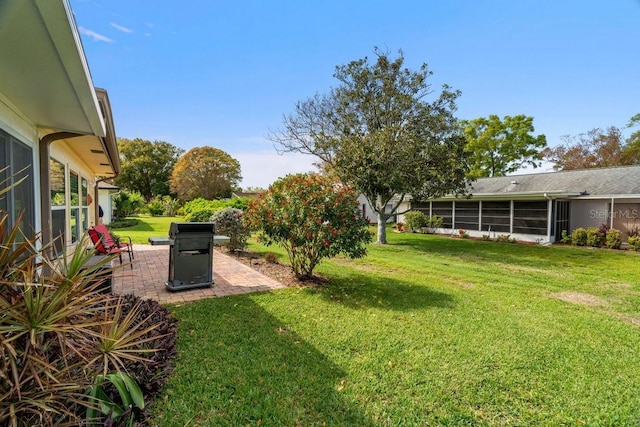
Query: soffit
(47, 77)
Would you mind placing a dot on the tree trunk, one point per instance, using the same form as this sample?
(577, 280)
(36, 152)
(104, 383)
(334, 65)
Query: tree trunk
(382, 229)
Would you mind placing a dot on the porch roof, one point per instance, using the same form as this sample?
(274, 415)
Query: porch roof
(621, 181)
(47, 80)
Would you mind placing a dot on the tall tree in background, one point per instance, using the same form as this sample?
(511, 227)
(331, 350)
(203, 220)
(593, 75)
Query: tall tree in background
(631, 153)
(499, 147)
(205, 172)
(146, 166)
(377, 133)
(595, 149)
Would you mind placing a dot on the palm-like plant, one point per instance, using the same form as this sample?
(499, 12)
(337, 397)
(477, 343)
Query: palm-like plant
(58, 334)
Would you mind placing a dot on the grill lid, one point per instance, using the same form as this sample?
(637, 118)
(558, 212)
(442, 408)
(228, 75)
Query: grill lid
(191, 227)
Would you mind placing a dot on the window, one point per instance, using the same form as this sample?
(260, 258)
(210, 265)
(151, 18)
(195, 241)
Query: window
(562, 218)
(85, 204)
(16, 175)
(496, 216)
(58, 204)
(467, 215)
(424, 207)
(444, 210)
(76, 221)
(530, 217)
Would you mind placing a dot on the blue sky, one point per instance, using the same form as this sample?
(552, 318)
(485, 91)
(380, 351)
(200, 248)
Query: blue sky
(223, 73)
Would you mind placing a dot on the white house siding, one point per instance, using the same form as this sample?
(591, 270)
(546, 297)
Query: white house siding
(367, 210)
(105, 199)
(404, 207)
(16, 125)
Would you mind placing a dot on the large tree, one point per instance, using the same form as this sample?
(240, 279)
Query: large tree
(595, 149)
(377, 132)
(146, 166)
(205, 172)
(497, 147)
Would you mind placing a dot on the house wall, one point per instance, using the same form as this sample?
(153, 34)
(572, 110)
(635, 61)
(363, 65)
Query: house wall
(367, 210)
(626, 216)
(588, 213)
(61, 152)
(105, 200)
(15, 124)
(404, 207)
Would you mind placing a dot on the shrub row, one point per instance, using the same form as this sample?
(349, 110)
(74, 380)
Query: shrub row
(201, 210)
(197, 210)
(595, 237)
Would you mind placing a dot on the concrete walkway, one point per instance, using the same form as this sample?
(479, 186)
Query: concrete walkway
(151, 269)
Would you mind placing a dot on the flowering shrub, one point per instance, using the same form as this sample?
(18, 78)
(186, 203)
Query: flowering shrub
(229, 222)
(311, 218)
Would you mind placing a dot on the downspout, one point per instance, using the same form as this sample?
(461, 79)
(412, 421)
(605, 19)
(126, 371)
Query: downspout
(550, 218)
(44, 152)
(613, 201)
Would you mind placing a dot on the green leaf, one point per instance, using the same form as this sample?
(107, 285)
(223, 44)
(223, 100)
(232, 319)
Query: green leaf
(107, 405)
(134, 390)
(116, 379)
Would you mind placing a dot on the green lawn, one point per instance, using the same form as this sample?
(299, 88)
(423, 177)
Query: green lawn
(148, 226)
(424, 331)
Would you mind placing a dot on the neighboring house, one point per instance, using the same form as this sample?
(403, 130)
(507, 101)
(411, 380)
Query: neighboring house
(538, 207)
(370, 215)
(56, 129)
(106, 192)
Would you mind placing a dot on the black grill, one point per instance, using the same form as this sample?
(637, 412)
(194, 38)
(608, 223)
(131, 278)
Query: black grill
(190, 255)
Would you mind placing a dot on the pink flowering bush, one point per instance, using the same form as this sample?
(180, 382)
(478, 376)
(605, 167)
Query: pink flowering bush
(312, 218)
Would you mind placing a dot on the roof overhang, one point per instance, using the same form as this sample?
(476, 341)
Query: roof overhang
(48, 81)
(524, 195)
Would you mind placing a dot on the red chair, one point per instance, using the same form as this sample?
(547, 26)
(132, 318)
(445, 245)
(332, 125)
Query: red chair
(115, 240)
(105, 244)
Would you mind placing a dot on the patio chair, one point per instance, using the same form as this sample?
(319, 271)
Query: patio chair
(106, 244)
(115, 240)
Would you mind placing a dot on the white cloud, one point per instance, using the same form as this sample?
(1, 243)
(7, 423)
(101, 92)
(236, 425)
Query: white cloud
(95, 36)
(263, 169)
(121, 28)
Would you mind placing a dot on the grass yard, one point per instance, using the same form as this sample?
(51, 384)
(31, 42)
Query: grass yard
(427, 330)
(149, 226)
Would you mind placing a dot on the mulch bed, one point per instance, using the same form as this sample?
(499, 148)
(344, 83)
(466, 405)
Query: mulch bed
(276, 270)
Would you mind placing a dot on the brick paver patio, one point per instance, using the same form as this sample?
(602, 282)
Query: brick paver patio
(151, 268)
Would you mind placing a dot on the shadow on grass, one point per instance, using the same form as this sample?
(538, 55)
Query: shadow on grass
(361, 290)
(238, 365)
(496, 252)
